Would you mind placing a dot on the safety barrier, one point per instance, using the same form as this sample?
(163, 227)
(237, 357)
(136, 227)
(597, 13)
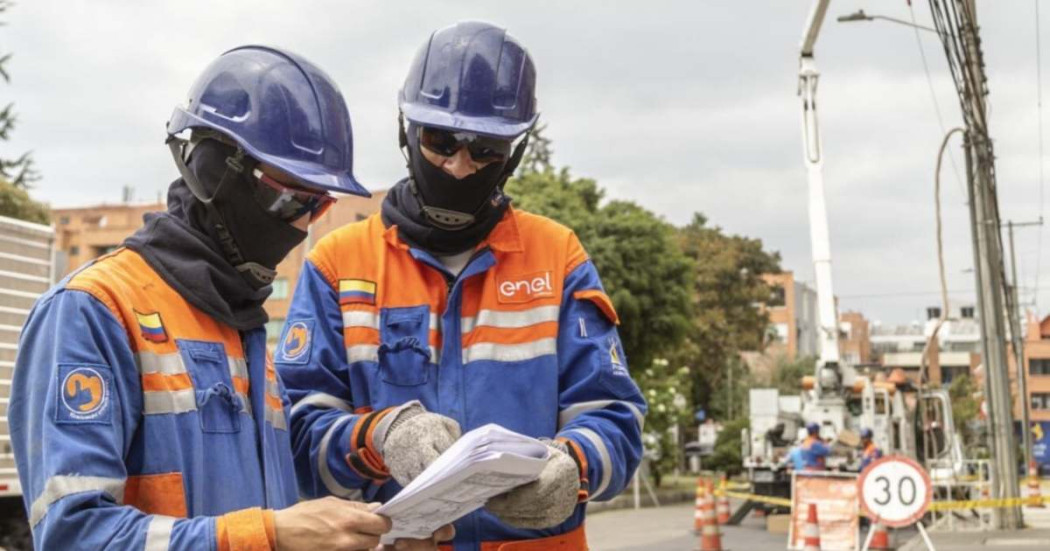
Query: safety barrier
(934, 506)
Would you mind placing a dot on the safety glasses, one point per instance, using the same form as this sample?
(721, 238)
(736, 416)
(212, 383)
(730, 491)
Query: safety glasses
(482, 149)
(288, 203)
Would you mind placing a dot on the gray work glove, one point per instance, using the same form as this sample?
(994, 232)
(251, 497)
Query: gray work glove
(414, 439)
(545, 502)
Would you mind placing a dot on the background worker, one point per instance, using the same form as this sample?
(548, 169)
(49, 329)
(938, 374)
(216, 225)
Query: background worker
(869, 451)
(145, 413)
(813, 449)
(451, 310)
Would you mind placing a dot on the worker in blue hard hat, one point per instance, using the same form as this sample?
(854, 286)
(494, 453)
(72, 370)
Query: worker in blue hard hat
(451, 309)
(869, 450)
(814, 450)
(145, 411)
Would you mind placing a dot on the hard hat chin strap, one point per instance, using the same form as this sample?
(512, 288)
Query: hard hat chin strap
(257, 275)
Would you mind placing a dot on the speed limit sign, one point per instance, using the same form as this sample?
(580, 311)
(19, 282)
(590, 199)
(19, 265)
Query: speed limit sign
(895, 491)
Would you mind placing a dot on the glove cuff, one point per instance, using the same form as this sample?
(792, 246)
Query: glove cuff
(576, 453)
(369, 434)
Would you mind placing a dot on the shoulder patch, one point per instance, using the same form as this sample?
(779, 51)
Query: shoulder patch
(296, 343)
(151, 327)
(84, 394)
(357, 291)
(616, 363)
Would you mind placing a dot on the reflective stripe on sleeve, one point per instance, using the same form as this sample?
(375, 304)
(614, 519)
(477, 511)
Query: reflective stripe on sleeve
(322, 400)
(573, 411)
(510, 320)
(158, 535)
(60, 486)
(603, 455)
(334, 487)
(509, 352)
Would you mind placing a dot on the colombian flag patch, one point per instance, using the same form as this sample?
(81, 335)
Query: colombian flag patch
(357, 291)
(151, 327)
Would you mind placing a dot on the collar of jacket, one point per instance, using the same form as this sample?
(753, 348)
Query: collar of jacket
(505, 237)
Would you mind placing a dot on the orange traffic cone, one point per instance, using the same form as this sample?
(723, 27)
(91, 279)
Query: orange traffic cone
(811, 531)
(701, 492)
(710, 536)
(880, 541)
(1035, 493)
(722, 506)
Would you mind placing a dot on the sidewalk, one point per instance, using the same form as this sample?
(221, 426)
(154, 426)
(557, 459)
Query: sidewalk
(1020, 540)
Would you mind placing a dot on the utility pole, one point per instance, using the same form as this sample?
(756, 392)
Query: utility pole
(989, 270)
(1018, 344)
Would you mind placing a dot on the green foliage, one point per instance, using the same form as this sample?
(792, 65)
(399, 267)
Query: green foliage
(16, 203)
(641, 266)
(665, 390)
(964, 406)
(787, 375)
(726, 287)
(727, 455)
(19, 171)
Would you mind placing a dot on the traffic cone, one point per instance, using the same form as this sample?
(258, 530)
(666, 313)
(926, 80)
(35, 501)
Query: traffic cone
(701, 492)
(722, 506)
(811, 531)
(710, 535)
(880, 541)
(1035, 493)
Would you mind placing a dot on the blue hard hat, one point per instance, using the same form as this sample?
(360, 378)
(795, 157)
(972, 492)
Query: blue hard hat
(282, 110)
(866, 433)
(812, 428)
(472, 77)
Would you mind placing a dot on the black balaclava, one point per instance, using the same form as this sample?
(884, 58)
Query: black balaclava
(184, 245)
(258, 237)
(435, 211)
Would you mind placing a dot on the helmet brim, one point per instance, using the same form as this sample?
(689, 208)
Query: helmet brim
(312, 175)
(495, 127)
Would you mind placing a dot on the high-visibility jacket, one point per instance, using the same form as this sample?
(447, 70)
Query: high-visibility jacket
(814, 452)
(524, 337)
(139, 422)
(869, 455)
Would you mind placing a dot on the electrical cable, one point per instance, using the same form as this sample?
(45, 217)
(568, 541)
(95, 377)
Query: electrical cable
(1039, 104)
(933, 94)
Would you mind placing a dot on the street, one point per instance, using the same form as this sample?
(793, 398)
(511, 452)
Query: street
(670, 529)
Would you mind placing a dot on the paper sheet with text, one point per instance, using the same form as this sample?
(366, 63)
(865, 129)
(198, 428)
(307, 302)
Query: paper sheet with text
(485, 462)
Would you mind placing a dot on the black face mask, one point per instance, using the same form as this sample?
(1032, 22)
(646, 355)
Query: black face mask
(449, 203)
(259, 240)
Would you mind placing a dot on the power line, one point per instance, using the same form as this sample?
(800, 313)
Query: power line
(933, 95)
(1039, 103)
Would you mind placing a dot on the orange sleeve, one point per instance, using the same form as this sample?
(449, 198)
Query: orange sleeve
(244, 530)
(271, 528)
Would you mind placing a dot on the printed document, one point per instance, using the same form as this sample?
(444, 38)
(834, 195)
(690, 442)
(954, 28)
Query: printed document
(484, 463)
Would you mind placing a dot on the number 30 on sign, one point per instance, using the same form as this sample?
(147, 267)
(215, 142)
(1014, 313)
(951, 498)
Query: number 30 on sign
(895, 491)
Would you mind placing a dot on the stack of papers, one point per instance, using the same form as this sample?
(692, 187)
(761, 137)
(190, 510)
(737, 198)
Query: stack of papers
(485, 462)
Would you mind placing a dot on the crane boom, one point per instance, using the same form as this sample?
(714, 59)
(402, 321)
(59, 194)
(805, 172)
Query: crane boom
(808, 78)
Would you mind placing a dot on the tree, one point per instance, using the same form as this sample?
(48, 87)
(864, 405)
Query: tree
(16, 203)
(20, 171)
(727, 284)
(964, 406)
(642, 267)
(665, 389)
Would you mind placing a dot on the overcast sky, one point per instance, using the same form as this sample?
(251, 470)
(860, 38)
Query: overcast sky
(681, 106)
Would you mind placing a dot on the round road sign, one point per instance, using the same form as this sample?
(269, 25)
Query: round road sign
(895, 491)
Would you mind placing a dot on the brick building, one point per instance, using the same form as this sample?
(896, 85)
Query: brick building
(85, 233)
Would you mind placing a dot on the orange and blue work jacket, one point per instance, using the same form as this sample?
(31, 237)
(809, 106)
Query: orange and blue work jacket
(139, 422)
(524, 337)
(869, 455)
(813, 452)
